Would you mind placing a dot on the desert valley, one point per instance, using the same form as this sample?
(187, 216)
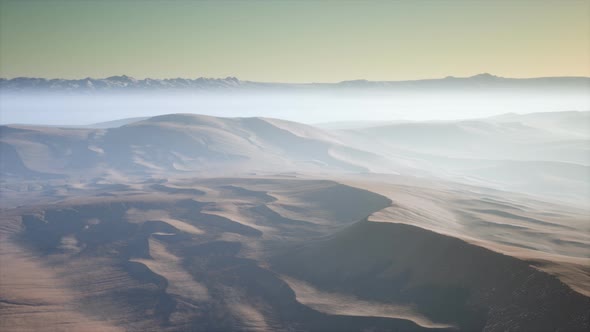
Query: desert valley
(191, 222)
(294, 166)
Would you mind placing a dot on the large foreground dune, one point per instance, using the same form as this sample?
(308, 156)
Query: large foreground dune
(261, 253)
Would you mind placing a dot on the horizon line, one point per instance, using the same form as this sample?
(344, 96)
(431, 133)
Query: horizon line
(485, 74)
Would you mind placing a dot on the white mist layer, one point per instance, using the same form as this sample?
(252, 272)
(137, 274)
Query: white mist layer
(306, 107)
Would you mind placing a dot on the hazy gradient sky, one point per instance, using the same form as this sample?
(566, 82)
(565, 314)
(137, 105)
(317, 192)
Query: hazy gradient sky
(294, 41)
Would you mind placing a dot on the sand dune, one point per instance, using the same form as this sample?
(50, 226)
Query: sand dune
(252, 319)
(508, 223)
(180, 283)
(443, 278)
(516, 153)
(136, 215)
(33, 297)
(177, 142)
(130, 262)
(342, 304)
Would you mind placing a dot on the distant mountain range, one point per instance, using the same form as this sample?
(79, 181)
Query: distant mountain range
(115, 83)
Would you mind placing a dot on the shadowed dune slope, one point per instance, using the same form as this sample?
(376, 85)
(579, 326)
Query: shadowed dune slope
(446, 279)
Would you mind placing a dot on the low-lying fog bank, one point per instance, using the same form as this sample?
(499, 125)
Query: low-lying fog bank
(62, 108)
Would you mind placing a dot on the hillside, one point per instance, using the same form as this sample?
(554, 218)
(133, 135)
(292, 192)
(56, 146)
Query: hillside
(179, 143)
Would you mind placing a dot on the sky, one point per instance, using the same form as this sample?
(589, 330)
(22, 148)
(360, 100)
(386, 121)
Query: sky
(294, 41)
